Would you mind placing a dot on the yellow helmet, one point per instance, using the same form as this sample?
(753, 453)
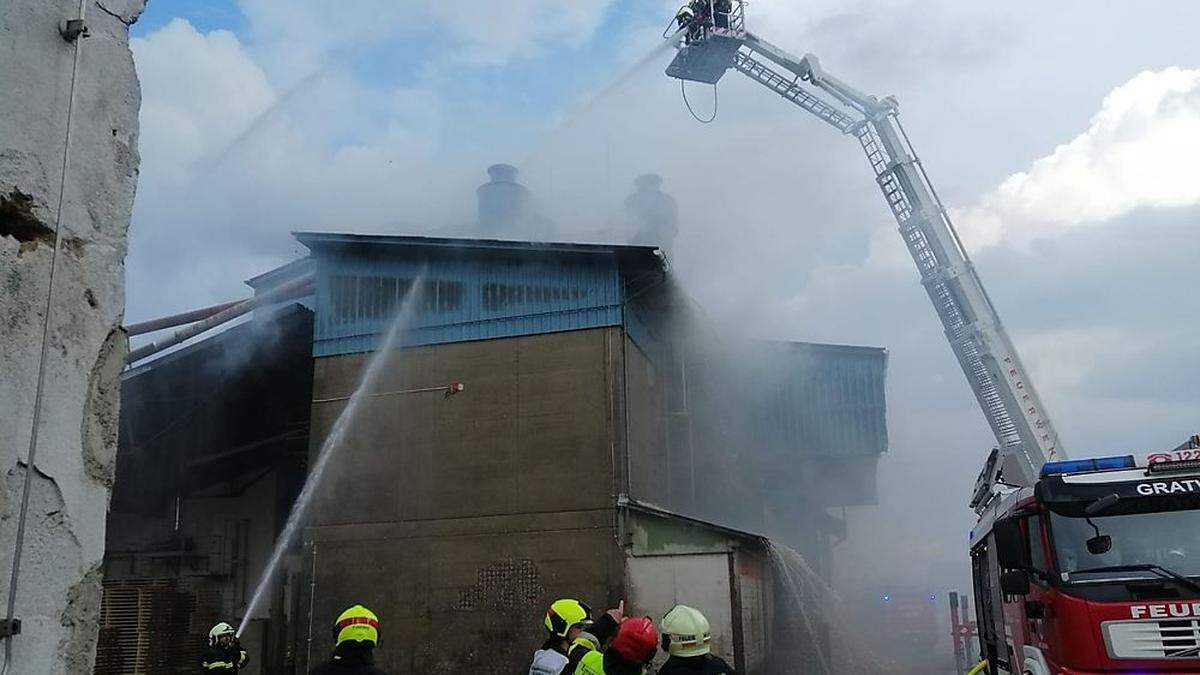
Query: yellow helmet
(565, 613)
(357, 623)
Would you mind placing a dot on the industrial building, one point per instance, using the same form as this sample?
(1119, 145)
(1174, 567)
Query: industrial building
(609, 443)
(212, 448)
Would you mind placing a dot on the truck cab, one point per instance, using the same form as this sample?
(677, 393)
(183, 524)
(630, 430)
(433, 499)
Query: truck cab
(1093, 569)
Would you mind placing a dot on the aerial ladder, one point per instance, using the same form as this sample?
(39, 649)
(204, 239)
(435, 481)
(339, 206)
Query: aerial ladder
(716, 40)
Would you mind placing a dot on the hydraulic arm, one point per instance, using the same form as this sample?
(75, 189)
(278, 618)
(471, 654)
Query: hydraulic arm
(1024, 433)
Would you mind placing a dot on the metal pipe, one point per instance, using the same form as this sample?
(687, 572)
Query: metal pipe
(177, 319)
(294, 288)
(312, 595)
(450, 390)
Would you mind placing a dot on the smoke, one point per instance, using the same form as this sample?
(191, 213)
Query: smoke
(1069, 168)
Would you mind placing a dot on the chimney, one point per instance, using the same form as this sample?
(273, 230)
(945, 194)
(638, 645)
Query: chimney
(505, 206)
(652, 213)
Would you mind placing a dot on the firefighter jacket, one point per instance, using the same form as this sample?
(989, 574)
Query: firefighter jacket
(708, 664)
(601, 663)
(350, 660)
(603, 629)
(218, 659)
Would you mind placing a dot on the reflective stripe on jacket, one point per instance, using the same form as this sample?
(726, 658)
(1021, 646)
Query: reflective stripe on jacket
(220, 660)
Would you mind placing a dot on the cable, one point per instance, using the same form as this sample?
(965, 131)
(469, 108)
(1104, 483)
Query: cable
(683, 92)
(30, 467)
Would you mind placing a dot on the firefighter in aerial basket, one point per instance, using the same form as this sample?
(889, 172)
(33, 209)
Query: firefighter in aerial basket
(224, 653)
(629, 653)
(687, 638)
(355, 635)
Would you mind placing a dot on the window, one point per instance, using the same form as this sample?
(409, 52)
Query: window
(343, 298)
(373, 298)
(499, 297)
(985, 615)
(377, 296)
(1037, 550)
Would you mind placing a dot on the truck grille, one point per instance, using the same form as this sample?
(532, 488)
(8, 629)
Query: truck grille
(1170, 639)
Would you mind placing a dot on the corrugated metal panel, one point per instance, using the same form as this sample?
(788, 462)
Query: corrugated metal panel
(466, 296)
(827, 400)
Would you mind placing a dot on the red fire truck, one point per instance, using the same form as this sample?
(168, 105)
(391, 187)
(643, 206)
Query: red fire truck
(1093, 569)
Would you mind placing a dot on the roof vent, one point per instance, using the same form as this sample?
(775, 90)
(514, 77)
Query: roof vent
(652, 213)
(505, 206)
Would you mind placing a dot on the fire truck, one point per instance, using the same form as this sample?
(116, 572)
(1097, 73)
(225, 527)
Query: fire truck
(1095, 568)
(1080, 566)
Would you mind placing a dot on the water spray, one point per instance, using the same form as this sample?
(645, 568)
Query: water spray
(335, 440)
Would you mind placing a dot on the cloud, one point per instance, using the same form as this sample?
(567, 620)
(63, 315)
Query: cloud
(518, 28)
(230, 158)
(297, 36)
(1140, 150)
(200, 90)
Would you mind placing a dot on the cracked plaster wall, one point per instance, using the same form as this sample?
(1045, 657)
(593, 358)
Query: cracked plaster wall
(58, 598)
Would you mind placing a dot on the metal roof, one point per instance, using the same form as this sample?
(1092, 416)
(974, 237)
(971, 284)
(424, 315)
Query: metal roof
(325, 240)
(275, 276)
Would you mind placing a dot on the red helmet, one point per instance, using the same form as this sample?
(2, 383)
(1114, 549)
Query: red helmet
(636, 640)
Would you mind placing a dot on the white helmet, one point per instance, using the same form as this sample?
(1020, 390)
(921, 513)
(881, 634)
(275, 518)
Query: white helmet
(685, 632)
(219, 630)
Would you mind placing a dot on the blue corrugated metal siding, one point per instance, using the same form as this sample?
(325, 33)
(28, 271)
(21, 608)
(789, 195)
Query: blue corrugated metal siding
(827, 401)
(465, 297)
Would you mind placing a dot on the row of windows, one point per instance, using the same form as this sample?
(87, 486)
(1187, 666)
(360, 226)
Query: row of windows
(375, 297)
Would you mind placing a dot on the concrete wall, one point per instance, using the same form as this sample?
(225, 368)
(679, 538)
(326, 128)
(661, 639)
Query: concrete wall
(59, 592)
(459, 520)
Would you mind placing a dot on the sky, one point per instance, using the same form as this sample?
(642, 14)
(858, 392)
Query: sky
(1064, 140)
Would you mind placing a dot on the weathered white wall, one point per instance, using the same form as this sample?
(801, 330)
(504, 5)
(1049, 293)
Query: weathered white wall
(58, 597)
(655, 584)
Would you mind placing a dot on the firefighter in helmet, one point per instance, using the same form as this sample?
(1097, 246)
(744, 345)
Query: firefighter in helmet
(687, 639)
(572, 634)
(224, 653)
(565, 620)
(355, 634)
(630, 652)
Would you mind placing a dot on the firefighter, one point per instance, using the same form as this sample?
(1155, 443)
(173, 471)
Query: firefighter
(686, 638)
(721, 11)
(587, 642)
(686, 19)
(355, 634)
(224, 653)
(684, 16)
(629, 653)
(565, 620)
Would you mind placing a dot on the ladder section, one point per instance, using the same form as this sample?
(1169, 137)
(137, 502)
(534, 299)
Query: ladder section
(954, 320)
(790, 89)
(984, 352)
